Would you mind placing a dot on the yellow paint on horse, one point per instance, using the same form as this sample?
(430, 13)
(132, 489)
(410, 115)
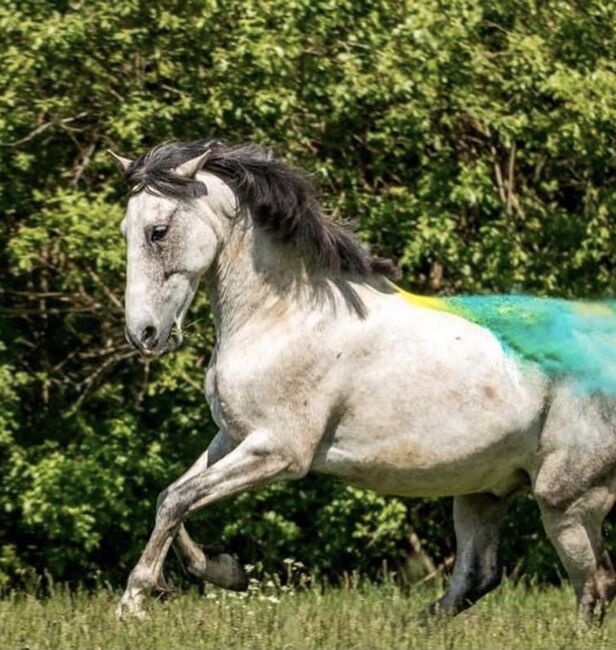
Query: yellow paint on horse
(591, 309)
(427, 302)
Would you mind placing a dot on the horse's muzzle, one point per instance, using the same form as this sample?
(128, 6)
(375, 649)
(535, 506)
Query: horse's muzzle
(146, 340)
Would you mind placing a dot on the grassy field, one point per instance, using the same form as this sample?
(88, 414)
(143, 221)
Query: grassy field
(361, 617)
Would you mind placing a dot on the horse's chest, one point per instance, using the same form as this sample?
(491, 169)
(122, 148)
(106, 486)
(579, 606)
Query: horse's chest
(218, 408)
(223, 407)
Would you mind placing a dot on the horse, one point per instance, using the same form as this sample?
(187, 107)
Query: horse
(323, 364)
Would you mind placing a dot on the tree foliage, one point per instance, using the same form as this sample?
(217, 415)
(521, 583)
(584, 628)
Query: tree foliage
(471, 140)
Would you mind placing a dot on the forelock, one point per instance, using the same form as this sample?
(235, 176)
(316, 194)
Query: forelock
(154, 171)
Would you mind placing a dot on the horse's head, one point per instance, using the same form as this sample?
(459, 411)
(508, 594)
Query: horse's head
(172, 229)
(179, 219)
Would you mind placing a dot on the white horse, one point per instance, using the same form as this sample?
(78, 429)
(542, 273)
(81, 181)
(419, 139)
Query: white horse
(322, 364)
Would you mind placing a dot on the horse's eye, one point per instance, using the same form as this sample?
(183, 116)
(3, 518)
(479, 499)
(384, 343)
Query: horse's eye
(158, 233)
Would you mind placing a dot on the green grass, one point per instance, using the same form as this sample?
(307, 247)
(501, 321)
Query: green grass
(367, 616)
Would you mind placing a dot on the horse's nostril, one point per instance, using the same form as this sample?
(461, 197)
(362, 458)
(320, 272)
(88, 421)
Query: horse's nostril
(148, 337)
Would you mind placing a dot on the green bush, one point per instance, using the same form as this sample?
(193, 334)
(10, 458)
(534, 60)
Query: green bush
(471, 140)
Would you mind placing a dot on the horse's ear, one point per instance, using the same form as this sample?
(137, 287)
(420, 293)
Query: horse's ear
(190, 168)
(122, 163)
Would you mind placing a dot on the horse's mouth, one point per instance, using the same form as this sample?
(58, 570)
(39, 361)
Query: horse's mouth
(175, 336)
(174, 340)
(171, 337)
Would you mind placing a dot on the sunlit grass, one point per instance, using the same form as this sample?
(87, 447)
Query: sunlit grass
(365, 616)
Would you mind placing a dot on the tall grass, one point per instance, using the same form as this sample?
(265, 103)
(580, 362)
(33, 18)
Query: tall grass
(362, 616)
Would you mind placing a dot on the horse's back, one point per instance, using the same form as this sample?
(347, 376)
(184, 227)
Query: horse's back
(569, 340)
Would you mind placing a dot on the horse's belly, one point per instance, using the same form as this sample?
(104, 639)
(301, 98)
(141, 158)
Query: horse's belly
(467, 438)
(399, 469)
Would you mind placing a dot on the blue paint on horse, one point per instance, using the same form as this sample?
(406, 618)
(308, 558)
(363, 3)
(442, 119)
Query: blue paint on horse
(567, 339)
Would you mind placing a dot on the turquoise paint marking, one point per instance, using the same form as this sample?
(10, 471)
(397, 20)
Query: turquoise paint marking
(565, 338)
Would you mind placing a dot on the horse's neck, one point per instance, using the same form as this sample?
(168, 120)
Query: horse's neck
(253, 279)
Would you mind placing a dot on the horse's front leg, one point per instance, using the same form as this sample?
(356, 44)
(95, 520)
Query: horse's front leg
(209, 564)
(216, 567)
(257, 460)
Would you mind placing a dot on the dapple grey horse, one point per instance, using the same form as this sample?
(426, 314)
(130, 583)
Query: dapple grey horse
(322, 364)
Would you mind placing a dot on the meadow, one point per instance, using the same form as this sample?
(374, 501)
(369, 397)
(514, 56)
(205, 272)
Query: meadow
(362, 616)
(471, 141)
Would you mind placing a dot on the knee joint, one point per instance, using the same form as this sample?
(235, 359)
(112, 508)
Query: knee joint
(170, 507)
(554, 494)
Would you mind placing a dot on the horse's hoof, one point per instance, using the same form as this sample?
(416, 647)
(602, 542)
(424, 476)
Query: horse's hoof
(427, 616)
(225, 571)
(434, 614)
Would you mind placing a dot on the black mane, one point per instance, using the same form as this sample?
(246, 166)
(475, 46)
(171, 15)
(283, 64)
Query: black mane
(281, 199)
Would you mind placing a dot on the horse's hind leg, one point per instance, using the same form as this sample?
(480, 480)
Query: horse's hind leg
(575, 487)
(477, 520)
(575, 530)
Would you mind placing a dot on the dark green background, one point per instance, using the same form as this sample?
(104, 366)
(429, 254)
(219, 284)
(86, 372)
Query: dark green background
(472, 141)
